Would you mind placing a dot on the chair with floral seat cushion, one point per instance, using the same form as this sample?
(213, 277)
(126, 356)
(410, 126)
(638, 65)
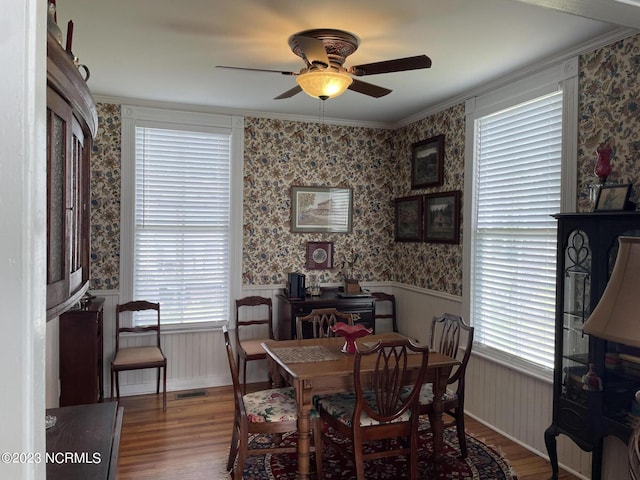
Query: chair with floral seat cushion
(379, 409)
(267, 412)
(446, 333)
(252, 328)
(319, 322)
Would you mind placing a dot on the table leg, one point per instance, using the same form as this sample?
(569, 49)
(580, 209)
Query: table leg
(435, 417)
(304, 398)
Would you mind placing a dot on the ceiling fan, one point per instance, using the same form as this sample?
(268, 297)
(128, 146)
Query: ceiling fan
(324, 52)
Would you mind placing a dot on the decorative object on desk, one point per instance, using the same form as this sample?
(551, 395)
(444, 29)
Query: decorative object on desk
(319, 255)
(427, 162)
(351, 284)
(615, 318)
(442, 217)
(295, 285)
(314, 287)
(614, 198)
(320, 209)
(484, 462)
(350, 334)
(408, 219)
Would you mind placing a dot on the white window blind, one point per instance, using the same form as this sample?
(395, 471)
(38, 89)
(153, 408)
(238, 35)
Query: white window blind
(182, 224)
(517, 189)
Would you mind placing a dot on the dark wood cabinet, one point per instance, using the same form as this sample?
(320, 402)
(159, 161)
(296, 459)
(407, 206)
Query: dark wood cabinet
(81, 352)
(587, 249)
(71, 125)
(290, 308)
(89, 432)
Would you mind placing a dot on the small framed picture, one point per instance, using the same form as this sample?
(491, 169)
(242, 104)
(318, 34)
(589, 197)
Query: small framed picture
(320, 209)
(612, 198)
(408, 224)
(319, 255)
(442, 217)
(427, 162)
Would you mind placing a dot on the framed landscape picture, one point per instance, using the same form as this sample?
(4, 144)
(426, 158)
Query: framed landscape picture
(320, 209)
(442, 217)
(408, 219)
(427, 162)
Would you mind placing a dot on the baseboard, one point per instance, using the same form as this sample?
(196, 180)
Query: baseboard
(175, 385)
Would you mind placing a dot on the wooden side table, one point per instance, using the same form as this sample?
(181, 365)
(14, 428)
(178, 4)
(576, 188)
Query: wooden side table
(84, 442)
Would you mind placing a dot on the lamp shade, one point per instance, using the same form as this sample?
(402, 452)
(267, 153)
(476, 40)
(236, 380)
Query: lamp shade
(324, 84)
(617, 315)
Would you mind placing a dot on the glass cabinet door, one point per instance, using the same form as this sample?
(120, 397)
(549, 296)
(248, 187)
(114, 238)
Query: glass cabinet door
(576, 302)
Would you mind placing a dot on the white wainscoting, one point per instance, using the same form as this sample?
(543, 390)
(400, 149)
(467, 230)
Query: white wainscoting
(514, 403)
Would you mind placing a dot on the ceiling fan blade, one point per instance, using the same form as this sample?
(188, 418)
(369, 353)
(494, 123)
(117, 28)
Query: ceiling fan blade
(257, 70)
(369, 89)
(313, 49)
(289, 93)
(389, 66)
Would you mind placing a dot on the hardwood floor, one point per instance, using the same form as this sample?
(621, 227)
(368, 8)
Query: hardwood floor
(191, 440)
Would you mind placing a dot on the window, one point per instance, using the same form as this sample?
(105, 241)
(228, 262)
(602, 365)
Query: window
(180, 230)
(517, 182)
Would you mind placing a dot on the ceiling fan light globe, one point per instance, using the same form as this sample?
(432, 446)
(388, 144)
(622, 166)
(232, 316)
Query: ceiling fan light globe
(324, 84)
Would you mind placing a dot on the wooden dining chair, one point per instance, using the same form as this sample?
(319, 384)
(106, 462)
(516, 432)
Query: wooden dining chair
(446, 333)
(267, 412)
(252, 331)
(385, 308)
(319, 322)
(139, 357)
(383, 407)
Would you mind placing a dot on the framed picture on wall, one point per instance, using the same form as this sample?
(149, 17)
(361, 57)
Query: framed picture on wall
(320, 209)
(442, 217)
(427, 162)
(319, 255)
(408, 219)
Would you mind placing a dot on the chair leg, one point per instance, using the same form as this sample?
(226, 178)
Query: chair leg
(164, 387)
(319, 447)
(242, 456)
(358, 461)
(158, 380)
(233, 450)
(117, 385)
(462, 436)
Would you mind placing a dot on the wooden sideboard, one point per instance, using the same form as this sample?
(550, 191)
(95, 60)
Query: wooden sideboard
(290, 308)
(81, 352)
(84, 442)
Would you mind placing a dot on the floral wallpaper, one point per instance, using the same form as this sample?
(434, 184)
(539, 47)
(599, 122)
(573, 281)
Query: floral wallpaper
(376, 164)
(105, 200)
(280, 154)
(610, 114)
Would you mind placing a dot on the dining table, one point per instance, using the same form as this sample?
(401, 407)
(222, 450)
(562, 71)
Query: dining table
(317, 366)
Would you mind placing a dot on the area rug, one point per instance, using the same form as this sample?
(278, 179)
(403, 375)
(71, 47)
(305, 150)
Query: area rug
(483, 463)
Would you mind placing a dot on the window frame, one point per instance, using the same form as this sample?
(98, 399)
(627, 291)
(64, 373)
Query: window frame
(562, 76)
(133, 116)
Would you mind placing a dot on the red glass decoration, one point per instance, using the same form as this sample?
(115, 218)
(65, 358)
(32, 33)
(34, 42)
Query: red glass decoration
(350, 333)
(603, 165)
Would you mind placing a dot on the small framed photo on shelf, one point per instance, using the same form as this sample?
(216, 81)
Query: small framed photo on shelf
(319, 255)
(442, 217)
(613, 198)
(408, 219)
(427, 162)
(320, 209)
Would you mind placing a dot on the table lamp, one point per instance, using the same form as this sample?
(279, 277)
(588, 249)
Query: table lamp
(617, 316)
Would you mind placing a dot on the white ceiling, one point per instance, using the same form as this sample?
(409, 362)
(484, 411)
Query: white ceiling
(167, 50)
